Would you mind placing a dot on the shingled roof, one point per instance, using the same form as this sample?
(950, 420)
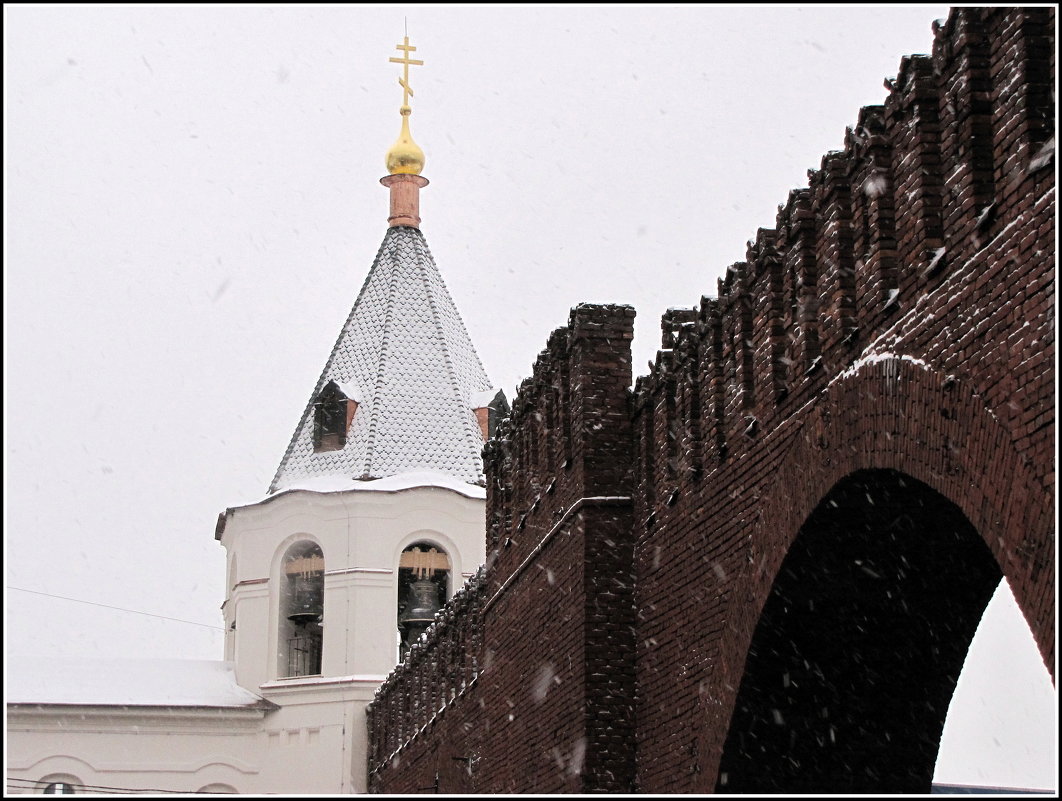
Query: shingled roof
(405, 357)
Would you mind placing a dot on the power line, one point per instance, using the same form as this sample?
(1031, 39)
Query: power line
(29, 784)
(119, 608)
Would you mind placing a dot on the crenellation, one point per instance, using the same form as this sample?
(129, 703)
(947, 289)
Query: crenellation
(496, 467)
(832, 204)
(961, 62)
(539, 436)
(669, 420)
(737, 354)
(912, 123)
(713, 382)
(600, 375)
(1021, 76)
(796, 246)
(767, 301)
(663, 409)
(687, 371)
(672, 322)
(873, 219)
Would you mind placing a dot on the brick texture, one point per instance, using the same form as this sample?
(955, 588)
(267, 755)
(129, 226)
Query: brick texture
(760, 571)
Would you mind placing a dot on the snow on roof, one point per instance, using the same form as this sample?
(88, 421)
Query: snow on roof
(480, 400)
(403, 481)
(349, 389)
(406, 350)
(125, 682)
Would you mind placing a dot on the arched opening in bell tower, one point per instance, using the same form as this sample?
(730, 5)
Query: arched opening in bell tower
(301, 610)
(423, 587)
(853, 663)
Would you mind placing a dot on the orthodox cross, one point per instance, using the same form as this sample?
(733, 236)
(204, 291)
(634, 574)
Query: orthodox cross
(406, 61)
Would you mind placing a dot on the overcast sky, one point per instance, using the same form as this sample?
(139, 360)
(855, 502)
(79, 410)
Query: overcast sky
(192, 203)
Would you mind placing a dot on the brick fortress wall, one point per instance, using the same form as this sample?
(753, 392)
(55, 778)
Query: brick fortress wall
(549, 632)
(899, 316)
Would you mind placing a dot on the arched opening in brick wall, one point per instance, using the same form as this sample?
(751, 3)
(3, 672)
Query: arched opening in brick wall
(854, 660)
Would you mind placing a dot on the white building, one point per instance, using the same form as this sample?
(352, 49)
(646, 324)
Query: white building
(375, 517)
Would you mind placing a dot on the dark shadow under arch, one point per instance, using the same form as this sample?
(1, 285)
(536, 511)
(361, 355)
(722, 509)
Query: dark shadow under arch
(855, 657)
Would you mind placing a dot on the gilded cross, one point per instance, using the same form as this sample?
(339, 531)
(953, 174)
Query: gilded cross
(406, 61)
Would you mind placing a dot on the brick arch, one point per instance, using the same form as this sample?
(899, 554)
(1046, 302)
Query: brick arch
(891, 414)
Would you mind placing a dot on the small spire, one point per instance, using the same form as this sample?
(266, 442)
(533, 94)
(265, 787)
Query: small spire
(405, 157)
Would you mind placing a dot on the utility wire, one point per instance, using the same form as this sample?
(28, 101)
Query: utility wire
(28, 784)
(119, 608)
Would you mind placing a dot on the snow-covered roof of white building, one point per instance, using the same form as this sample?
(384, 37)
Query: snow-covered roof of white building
(405, 354)
(125, 682)
(420, 479)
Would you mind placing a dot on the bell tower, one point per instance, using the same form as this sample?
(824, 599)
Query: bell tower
(375, 515)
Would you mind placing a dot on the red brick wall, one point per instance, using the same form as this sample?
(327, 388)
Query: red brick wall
(894, 332)
(965, 404)
(552, 628)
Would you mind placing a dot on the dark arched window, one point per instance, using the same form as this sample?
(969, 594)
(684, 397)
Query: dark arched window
(302, 610)
(217, 787)
(423, 587)
(56, 783)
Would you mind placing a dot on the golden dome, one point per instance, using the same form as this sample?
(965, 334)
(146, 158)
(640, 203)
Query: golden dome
(405, 157)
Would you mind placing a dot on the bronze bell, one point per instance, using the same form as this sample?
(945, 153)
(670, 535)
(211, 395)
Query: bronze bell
(307, 605)
(421, 609)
